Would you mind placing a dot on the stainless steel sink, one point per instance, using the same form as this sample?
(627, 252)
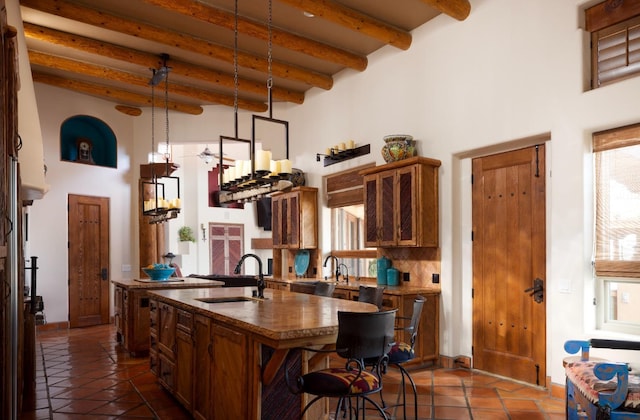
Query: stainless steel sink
(226, 299)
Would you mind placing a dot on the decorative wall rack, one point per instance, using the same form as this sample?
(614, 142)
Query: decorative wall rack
(337, 155)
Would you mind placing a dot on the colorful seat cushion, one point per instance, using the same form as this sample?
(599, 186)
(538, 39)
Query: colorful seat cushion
(335, 382)
(400, 353)
(582, 376)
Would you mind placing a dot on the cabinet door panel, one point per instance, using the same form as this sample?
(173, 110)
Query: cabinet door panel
(371, 210)
(387, 209)
(184, 368)
(276, 232)
(293, 237)
(230, 389)
(407, 206)
(203, 348)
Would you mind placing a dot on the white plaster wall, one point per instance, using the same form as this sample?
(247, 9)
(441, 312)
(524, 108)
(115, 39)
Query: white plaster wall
(48, 216)
(513, 69)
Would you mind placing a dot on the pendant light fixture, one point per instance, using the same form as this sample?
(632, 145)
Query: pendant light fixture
(155, 204)
(260, 175)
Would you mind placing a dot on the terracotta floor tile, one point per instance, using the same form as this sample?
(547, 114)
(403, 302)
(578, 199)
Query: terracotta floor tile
(85, 374)
(520, 404)
(485, 414)
(453, 413)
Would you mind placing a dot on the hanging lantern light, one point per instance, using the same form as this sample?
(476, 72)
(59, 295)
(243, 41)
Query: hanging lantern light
(256, 177)
(156, 204)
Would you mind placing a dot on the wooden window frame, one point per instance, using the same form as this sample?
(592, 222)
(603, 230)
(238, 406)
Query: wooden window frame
(604, 21)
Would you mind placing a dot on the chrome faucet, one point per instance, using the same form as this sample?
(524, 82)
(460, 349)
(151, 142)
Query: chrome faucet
(260, 283)
(346, 273)
(337, 265)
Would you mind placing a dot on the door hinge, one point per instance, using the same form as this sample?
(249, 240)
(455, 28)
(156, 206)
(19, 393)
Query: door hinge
(472, 293)
(471, 179)
(471, 350)
(472, 236)
(595, 301)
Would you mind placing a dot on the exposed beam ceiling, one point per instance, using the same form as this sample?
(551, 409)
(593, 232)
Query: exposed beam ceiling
(107, 49)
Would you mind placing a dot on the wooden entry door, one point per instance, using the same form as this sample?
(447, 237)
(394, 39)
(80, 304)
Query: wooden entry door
(226, 246)
(88, 260)
(509, 326)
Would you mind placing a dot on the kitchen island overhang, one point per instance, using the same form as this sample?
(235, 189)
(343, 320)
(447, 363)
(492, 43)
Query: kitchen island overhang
(243, 355)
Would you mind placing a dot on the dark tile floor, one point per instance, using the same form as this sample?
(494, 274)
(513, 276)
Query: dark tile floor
(84, 374)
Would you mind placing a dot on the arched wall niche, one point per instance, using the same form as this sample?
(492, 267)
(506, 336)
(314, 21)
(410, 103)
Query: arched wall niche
(88, 140)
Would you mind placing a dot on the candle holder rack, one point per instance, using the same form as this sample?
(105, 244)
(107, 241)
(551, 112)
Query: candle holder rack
(337, 155)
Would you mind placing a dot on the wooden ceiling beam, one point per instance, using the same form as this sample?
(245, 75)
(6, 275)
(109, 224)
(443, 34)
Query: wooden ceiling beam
(174, 39)
(92, 46)
(79, 67)
(457, 9)
(354, 20)
(205, 13)
(107, 92)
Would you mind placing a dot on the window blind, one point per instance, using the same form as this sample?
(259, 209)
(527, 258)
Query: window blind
(617, 202)
(616, 51)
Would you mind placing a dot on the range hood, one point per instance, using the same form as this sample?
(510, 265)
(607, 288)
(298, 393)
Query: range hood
(31, 155)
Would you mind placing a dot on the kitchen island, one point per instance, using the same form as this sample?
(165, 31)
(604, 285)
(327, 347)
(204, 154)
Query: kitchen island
(131, 308)
(226, 359)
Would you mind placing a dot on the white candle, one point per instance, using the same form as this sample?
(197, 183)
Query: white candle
(285, 166)
(351, 144)
(246, 167)
(263, 158)
(342, 146)
(275, 166)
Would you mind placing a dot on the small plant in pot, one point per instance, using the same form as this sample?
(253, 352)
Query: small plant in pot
(185, 234)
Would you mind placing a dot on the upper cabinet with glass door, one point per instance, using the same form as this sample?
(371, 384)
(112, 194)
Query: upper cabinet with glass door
(401, 203)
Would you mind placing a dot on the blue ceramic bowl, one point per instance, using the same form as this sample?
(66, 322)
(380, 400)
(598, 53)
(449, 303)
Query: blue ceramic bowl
(159, 273)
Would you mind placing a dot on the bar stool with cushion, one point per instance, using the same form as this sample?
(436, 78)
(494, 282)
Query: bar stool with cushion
(402, 352)
(371, 295)
(361, 335)
(324, 288)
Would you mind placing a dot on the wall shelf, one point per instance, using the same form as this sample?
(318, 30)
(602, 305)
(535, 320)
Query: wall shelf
(337, 156)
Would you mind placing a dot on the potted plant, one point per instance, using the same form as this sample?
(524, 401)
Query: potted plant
(185, 238)
(185, 234)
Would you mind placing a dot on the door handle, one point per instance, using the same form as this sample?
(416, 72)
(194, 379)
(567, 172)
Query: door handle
(537, 291)
(104, 274)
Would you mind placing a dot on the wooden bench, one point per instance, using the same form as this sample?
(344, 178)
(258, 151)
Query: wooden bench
(600, 389)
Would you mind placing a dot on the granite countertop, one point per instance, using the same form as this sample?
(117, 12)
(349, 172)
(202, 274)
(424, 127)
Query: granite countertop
(172, 283)
(282, 320)
(402, 289)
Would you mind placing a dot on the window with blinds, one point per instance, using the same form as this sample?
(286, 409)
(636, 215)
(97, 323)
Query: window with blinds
(615, 41)
(617, 227)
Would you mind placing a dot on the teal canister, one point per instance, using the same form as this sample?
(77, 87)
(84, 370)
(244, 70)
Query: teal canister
(383, 264)
(392, 276)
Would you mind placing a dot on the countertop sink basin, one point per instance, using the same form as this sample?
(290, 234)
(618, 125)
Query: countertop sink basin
(226, 299)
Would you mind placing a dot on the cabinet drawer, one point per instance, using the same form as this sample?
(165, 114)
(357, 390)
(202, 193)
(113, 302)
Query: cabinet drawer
(184, 320)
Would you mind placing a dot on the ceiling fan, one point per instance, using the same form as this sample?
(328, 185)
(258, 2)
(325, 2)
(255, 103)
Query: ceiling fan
(208, 156)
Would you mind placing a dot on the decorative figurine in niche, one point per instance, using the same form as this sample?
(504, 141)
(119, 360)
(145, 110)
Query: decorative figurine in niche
(84, 150)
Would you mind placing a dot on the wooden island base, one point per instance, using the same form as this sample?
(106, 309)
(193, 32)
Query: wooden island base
(225, 360)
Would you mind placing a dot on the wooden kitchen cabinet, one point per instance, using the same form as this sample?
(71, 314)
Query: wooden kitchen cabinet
(133, 314)
(230, 398)
(295, 218)
(184, 366)
(401, 203)
(166, 345)
(203, 362)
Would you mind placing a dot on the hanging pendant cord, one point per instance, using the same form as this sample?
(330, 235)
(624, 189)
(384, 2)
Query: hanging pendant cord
(153, 120)
(269, 60)
(235, 71)
(166, 114)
